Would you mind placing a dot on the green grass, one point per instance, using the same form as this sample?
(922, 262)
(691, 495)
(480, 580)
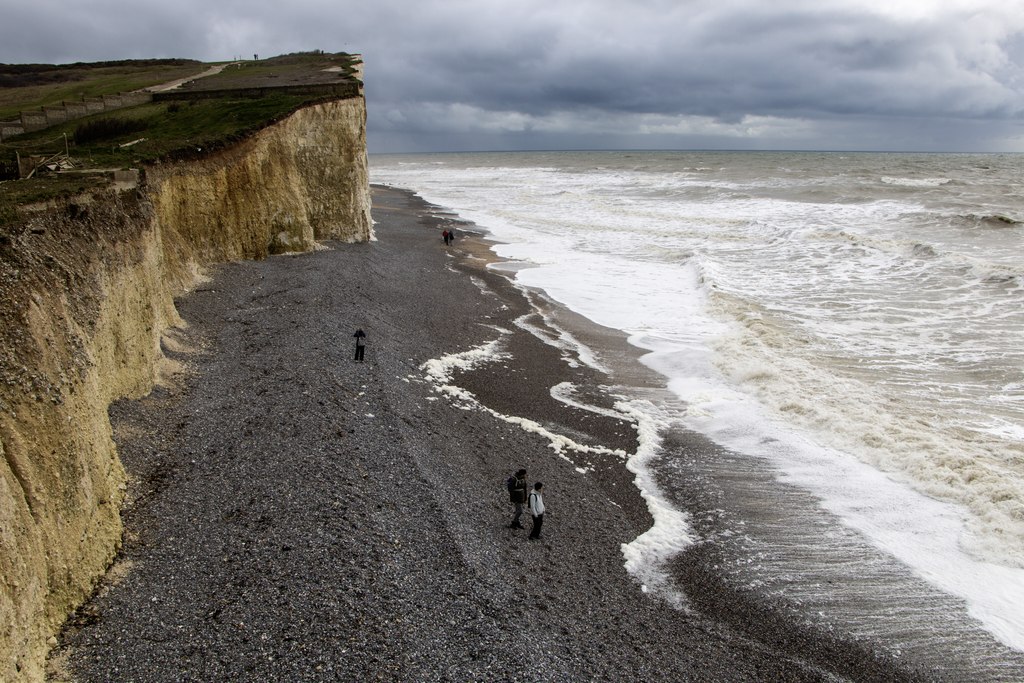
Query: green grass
(158, 130)
(187, 128)
(173, 128)
(54, 84)
(283, 69)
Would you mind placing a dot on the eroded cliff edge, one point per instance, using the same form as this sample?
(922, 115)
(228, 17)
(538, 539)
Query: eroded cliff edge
(86, 297)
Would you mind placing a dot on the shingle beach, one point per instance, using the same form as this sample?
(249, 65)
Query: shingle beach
(298, 516)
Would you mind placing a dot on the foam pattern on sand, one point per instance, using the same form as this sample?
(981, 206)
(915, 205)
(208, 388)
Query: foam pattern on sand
(440, 371)
(645, 556)
(671, 534)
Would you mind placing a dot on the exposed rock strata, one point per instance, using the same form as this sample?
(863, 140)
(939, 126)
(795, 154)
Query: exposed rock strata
(86, 297)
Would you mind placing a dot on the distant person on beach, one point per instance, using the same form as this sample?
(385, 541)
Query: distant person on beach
(446, 237)
(451, 235)
(537, 510)
(360, 344)
(517, 496)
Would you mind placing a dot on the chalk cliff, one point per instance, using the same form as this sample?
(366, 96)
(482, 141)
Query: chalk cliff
(87, 293)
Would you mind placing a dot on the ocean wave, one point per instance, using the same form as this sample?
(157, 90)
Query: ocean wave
(1001, 278)
(915, 182)
(971, 267)
(892, 246)
(995, 220)
(924, 251)
(767, 360)
(990, 273)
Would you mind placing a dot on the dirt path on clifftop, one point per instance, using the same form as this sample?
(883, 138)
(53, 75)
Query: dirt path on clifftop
(297, 516)
(173, 85)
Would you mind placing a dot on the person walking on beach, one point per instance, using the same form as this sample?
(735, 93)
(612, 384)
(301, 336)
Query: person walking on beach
(446, 237)
(517, 496)
(537, 510)
(360, 344)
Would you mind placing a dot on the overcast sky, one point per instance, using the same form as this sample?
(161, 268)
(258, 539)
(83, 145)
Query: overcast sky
(930, 75)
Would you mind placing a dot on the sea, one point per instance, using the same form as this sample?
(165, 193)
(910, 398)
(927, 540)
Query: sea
(846, 328)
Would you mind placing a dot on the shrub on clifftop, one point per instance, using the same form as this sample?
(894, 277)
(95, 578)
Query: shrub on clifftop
(106, 129)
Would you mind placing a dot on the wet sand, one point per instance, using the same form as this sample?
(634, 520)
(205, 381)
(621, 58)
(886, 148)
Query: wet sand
(296, 515)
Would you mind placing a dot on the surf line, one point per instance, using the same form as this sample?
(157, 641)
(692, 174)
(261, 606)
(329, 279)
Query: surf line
(645, 556)
(439, 372)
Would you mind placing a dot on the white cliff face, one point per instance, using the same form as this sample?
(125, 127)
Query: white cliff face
(85, 297)
(330, 142)
(303, 179)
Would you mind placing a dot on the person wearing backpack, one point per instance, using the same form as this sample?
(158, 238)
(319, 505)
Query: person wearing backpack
(360, 344)
(537, 510)
(517, 496)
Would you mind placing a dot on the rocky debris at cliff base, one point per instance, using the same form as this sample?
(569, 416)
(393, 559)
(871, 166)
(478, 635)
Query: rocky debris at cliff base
(312, 518)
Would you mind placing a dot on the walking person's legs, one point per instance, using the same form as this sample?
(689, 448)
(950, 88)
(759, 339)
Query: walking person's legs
(516, 524)
(535, 534)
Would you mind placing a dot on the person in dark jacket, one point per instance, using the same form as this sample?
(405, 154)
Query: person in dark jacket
(360, 344)
(517, 496)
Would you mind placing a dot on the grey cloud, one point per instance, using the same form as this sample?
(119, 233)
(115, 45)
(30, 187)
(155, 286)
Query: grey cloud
(532, 72)
(838, 64)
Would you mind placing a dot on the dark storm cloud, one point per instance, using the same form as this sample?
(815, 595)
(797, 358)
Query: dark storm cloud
(916, 77)
(726, 66)
(851, 74)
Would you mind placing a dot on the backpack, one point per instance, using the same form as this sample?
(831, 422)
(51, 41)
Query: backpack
(516, 491)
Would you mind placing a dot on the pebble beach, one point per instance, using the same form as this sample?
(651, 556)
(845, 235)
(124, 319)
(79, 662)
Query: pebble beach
(295, 515)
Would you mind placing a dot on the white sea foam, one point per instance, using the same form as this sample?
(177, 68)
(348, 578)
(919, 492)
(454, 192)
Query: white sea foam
(671, 533)
(573, 351)
(440, 372)
(915, 182)
(565, 392)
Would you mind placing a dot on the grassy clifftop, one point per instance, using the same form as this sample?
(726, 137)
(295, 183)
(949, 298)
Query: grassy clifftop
(207, 114)
(30, 86)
